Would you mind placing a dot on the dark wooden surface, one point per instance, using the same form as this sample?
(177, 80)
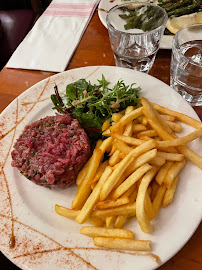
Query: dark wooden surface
(94, 49)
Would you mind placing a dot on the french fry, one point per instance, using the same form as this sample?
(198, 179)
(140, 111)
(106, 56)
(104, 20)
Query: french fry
(105, 144)
(174, 126)
(99, 172)
(148, 207)
(106, 125)
(140, 201)
(93, 198)
(141, 160)
(126, 119)
(163, 172)
(122, 147)
(129, 127)
(144, 138)
(119, 221)
(110, 203)
(129, 191)
(128, 130)
(191, 155)
(170, 156)
(115, 158)
(98, 143)
(127, 139)
(181, 141)
(66, 212)
(127, 209)
(117, 173)
(84, 189)
(170, 192)
(167, 117)
(107, 132)
(131, 180)
(103, 232)
(138, 127)
(173, 172)
(129, 109)
(110, 221)
(149, 133)
(116, 117)
(144, 120)
(113, 149)
(180, 116)
(158, 161)
(128, 244)
(120, 181)
(72, 214)
(157, 202)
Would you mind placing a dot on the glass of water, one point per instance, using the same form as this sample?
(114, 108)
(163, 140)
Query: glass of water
(186, 64)
(135, 30)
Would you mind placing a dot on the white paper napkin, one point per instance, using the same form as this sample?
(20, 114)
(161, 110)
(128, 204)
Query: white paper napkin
(52, 41)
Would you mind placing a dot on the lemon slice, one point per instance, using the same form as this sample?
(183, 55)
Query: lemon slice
(175, 24)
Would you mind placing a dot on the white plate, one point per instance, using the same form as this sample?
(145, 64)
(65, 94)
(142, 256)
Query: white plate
(45, 240)
(105, 5)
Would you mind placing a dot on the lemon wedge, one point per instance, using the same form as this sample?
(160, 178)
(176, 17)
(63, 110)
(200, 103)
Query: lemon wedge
(175, 24)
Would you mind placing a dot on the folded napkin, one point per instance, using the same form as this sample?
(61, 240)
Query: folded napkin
(53, 39)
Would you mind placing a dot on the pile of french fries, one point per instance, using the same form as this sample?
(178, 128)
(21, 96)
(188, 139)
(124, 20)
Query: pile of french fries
(145, 158)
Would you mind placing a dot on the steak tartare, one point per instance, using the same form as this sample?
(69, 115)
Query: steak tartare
(51, 151)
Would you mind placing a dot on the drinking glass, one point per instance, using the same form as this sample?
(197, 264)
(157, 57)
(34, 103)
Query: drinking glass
(135, 30)
(186, 64)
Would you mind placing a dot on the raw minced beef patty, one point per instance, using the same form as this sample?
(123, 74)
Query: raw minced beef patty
(51, 151)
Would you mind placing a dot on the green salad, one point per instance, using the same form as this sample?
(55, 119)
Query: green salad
(92, 104)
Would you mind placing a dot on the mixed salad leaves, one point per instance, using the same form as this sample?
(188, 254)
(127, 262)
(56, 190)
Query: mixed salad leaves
(92, 104)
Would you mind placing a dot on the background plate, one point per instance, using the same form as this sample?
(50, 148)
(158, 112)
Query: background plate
(45, 240)
(105, 5)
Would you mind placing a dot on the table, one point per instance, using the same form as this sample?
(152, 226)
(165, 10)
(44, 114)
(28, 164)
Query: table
(94, 49)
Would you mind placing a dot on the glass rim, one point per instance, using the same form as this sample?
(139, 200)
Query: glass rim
(134, 2)
(176, 45)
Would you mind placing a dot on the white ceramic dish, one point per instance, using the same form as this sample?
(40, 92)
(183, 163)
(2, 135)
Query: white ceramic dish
(105, 5)
(47, 241)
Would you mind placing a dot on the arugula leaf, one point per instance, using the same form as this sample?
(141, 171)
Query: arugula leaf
(103, 82)
(75, 90)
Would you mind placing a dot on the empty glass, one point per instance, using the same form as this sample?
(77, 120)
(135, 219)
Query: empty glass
(186, 64)
(135, 30)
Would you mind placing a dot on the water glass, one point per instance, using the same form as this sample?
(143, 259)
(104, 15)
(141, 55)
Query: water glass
(135, 30)
(186, 64)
